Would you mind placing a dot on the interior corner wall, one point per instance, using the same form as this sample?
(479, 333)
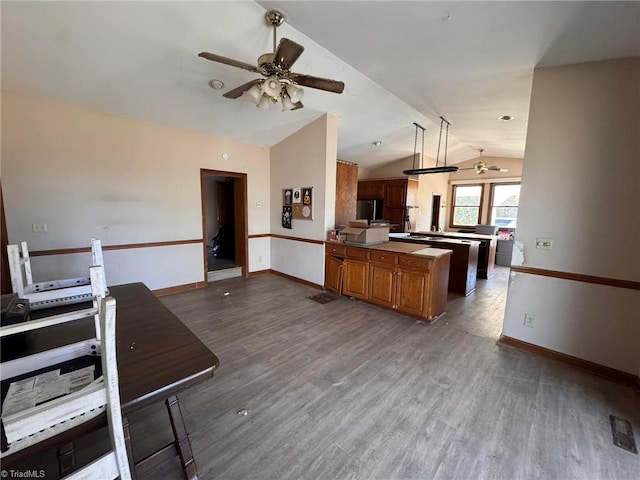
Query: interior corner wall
(125, 181)
(580, 188)
(305, 159)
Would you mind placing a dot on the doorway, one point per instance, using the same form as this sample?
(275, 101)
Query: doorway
(435, 213)
(224, 223)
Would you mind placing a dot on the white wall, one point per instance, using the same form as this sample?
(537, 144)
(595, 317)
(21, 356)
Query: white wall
(122, 180)
(580, 187)
(305, 159)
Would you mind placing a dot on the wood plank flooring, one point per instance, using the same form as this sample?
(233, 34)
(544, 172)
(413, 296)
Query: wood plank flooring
(347, 390)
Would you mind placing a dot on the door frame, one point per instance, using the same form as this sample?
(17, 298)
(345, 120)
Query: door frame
(240, 215)
(435, 209)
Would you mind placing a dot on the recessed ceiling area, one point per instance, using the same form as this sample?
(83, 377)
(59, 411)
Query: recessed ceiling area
(401, 62)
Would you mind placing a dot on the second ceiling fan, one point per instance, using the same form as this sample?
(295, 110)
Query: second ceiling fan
(280, 82)
(481, 168)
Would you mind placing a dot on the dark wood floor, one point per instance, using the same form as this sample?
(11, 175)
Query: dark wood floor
(347, 390)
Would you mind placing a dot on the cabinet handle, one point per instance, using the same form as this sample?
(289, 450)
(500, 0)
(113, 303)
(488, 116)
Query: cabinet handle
(382, 257)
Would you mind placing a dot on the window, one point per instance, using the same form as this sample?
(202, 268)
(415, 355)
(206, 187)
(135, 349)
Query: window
(466, 205)
(505, 198)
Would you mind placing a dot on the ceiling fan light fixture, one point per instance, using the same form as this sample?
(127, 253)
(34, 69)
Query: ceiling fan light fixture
(271, 86)
(287, 103)
(254, 94)
(265, 102)
(295, 93)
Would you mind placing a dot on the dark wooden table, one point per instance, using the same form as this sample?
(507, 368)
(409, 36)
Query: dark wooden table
(158, 357)
(464, 260)
(486, 253)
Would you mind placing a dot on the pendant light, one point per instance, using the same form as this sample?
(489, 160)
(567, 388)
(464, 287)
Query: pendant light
(437, 168)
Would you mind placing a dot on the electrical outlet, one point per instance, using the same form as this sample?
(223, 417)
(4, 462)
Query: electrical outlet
(544, 243)
(529, 320)
(39, 227)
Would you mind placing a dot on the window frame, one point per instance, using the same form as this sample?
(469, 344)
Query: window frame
(491, 197)
(453, 204)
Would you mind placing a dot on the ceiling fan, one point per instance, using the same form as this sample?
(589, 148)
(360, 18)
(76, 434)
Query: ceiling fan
(481, 168)
(280, 82)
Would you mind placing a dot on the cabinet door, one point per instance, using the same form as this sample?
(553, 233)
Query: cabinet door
(411, 291)
(395, 194)
(376, 190)
(396, 217)
(382, 284)
(363, 191)
(333, 274)
(355, 277)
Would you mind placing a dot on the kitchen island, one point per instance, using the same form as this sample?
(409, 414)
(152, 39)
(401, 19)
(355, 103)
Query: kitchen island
(486, 253)
(407, 277)
(464, 259)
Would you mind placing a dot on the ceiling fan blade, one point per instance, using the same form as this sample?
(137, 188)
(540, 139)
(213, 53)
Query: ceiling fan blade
(238, 91)
(316, 82)
(497, 169)
(287, 53)
(298, 106)
(228, 61)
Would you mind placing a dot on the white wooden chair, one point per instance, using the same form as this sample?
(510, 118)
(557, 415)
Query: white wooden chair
(33, 425)
(53, 292)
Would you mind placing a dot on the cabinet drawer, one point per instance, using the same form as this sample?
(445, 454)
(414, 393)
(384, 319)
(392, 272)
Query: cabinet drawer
(336, 250)
(383, 257)
(412, 263)
(358, 253)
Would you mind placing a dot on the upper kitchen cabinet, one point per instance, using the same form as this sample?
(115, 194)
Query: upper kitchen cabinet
(398, 196)
(371, 189)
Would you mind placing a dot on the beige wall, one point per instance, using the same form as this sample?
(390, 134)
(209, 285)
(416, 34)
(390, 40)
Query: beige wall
(88, 174)
(580, 187)
(305, 159)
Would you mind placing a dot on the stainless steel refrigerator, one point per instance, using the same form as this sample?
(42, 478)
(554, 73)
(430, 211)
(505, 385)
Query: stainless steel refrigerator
(369, 209)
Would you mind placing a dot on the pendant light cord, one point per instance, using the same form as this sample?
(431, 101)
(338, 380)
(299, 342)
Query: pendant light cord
(446, 141)
(415, 145)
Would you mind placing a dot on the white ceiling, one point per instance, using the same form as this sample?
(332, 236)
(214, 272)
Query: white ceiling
(402, 62)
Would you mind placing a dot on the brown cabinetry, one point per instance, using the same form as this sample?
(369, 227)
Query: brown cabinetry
(333, 274)
(416, 285)
(370, 189)
(346, 192)
(399, 198)
(401, 283)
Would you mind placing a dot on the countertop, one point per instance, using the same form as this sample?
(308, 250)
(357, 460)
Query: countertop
(459, 235)
(410, 248)
(452, 241)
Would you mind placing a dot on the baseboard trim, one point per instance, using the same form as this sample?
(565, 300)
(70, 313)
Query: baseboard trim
(584, 365)
(161, 292)
(296, 279)
(257, 273)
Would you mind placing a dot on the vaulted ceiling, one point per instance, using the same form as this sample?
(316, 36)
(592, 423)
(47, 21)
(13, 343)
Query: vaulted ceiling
(402, 62)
